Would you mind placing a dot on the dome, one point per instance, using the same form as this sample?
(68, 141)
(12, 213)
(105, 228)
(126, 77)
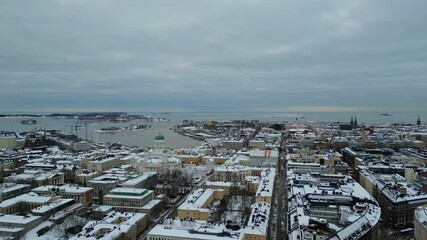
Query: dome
(159, 137)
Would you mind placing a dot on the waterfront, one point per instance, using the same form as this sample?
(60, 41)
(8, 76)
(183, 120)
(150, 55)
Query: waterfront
(144, 137)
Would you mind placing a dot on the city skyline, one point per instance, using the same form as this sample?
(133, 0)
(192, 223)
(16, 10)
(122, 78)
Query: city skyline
(292, 56)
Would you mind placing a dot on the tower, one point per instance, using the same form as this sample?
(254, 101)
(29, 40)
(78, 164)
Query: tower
(418, 120)
(351, 121)
(355, 121)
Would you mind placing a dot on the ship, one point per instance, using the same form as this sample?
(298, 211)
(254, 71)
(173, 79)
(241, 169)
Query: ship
(29, 122)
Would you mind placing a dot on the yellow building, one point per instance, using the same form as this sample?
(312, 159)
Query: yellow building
(196, 206)
(228, 187)
(190, 159)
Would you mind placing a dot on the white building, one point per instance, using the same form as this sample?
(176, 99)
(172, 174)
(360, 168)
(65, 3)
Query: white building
(177, 229)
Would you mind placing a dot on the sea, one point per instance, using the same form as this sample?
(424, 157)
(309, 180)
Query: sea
(145, 137)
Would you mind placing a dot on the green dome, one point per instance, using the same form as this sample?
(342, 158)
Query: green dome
(159, 137)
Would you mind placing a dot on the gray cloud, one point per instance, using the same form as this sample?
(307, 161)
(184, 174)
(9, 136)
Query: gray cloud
(219, 55)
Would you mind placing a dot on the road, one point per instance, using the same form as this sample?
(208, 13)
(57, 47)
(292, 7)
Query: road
(172, 210)
(280, 231)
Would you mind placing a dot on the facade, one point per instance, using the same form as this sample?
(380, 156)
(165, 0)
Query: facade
(228, 187)
(398, 198)
(15, 226)
(116, 225)
(8, 141)
(84, 177)
(83, 195)
(190, 159)
(10, 190)
(101, 164)
(128, 197)
(35, 204)
(196, 205)
(36, 178)
(257, 143)
(103, 184)
(420, 223)
(235, 144)
(236, 173)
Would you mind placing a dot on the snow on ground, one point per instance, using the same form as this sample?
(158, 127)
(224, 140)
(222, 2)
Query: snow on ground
(57, 231)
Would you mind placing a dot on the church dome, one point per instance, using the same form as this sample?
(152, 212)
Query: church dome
(159, 137)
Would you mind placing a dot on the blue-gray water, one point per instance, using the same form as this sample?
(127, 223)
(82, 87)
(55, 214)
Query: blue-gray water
(145, 137)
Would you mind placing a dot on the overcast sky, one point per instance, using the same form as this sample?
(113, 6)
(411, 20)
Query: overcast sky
(213, 55)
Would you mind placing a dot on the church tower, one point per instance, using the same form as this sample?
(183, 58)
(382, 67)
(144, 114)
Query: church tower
(418, 120)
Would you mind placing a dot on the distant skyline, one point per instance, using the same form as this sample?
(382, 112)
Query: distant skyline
(185, 56)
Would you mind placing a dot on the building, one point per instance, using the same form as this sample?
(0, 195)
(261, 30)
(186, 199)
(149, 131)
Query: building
(10, 190)
(101, 164)
(263, 158)
(330, 206)
(146, 180)
(420, 223)
(153, 208)
(16, 226)
(116, 225)
(265, 189)
(257, 144)
(181, 229)
(235, 144)
(196, 205)
(259, 220)
(81, 146)
(236, 173)
(103, 184)
(35, 204)
(84, 177)
(8, 141)
(159, 159)
(128, 197)
(83, 195)
(36, 178)
(228, 187)
(190, 159)
(398, 198)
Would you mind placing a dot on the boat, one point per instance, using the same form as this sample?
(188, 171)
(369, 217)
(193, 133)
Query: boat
(108, 130)
(385, 114)
(29, 122)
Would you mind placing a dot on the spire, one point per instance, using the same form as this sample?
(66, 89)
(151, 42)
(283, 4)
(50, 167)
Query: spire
(418, 120)
(355, 121)
(351, 121)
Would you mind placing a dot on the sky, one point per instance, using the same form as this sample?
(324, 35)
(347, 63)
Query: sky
(222, 55)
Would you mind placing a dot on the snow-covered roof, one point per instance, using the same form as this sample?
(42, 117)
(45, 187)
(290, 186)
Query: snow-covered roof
(266, 185)
(63, 189)
(111, 227)
(192, 230)
(197, 199)
(258, 220)
(139, 179)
